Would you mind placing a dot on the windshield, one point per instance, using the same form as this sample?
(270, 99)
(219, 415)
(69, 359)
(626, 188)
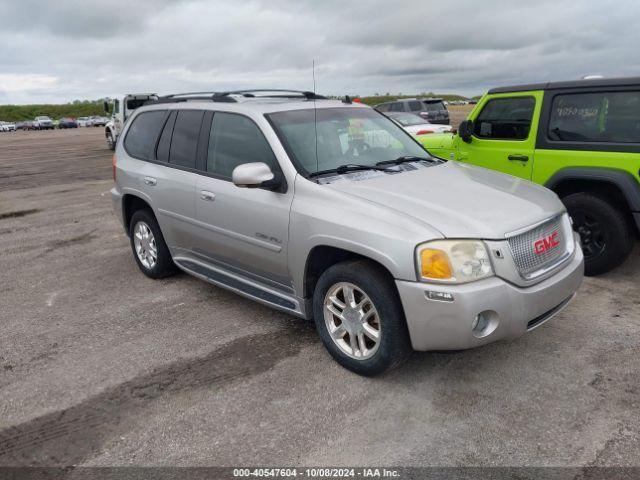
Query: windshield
(344, 136)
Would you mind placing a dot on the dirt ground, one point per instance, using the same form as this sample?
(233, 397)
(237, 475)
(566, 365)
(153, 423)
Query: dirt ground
(100, 365)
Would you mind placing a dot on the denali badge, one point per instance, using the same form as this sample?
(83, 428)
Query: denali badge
(546, 244)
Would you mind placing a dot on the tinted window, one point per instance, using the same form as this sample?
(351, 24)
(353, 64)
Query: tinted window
(596, 117)
(164, 144)
(505, 119)
(415, 106)
(383, 108)
(184, 143)
(433, 106)
(143, 133)
(234, 140)
(396, 107)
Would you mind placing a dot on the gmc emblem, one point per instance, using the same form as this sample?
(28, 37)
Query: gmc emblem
(546, 244)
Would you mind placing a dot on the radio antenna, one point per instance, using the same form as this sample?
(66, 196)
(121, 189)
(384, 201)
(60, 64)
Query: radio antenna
(315, 116)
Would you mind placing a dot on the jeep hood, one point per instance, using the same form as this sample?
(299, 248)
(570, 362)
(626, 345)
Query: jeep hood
(459, 200)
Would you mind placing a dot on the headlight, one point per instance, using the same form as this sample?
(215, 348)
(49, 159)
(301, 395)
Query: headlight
(453, 261)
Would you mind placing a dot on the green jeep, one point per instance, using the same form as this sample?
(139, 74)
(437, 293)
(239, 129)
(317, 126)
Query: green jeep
(580, 138)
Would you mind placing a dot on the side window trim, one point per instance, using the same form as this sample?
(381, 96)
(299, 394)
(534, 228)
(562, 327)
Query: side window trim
(170, 118)
(507, 139)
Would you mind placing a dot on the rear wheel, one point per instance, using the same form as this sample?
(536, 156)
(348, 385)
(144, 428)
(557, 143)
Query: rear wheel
(605, 233)
(149, 248)
(360, 319)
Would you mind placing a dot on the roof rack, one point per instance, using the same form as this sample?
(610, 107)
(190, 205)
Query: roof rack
(228, 95)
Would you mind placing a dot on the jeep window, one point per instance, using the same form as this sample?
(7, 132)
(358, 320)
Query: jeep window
(612, 117)
(432, 106)
(184, 142)
(505, 119)
(344, 136)
(142, 134)
(235, 139)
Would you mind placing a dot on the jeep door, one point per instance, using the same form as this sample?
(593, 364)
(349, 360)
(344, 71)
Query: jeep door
(504, 133)
(244, 229)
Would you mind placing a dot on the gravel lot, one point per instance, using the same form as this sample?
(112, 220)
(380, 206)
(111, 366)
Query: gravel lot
(100, 365)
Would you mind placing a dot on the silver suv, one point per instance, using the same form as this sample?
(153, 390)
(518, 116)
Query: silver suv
(327, 209)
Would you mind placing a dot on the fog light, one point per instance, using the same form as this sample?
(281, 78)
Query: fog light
(441, 296)
(484, 324)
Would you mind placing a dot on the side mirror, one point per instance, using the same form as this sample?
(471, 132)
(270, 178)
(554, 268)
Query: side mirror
(255, 175)
(106, 107)
(465, 130)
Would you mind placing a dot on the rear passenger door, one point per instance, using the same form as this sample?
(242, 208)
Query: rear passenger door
(168, 176)
(245, 229)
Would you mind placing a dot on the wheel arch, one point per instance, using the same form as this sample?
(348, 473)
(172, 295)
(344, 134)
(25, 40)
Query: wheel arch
(617, 185)
(131, 203)
(321, 257)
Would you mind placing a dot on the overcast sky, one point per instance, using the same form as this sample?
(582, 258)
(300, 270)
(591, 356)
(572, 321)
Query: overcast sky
(58, 51)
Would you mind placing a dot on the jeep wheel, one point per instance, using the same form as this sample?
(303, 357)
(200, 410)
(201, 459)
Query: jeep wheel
(149, 248)
(605, 233)
(360, 319)
(111, 143)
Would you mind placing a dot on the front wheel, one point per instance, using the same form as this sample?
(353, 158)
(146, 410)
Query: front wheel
(360, 319)
(111, 143)
(605, 233)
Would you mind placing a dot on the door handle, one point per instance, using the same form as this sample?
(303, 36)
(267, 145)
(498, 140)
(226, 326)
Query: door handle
(208, 196)
(150, 181)
(518, 158)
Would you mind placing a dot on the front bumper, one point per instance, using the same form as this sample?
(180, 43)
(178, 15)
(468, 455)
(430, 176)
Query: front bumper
(443, 325)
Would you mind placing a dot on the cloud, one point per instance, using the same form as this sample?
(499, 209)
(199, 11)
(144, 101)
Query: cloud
(94, 49)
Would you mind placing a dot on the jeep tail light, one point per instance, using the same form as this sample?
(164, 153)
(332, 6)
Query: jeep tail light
(424, 132)
(113, 164)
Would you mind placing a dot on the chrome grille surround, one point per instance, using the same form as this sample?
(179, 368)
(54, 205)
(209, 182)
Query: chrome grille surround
(522, 244)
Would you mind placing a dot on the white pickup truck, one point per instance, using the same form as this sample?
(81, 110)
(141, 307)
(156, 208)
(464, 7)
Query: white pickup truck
(119, 109)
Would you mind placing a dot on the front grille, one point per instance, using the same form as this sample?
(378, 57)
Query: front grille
(532, 254)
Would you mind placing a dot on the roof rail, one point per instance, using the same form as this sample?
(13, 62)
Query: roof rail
(228, 95)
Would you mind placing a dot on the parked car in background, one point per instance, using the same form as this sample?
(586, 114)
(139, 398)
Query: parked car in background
(416, 125)
(7, 127)
(579, 138)
(98, 121)
(327, 210)
(43, 123)
(432, 109)
(84, 122)
(26, 125)
(67, 122)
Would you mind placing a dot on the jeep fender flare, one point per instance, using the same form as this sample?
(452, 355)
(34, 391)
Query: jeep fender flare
(623, 180)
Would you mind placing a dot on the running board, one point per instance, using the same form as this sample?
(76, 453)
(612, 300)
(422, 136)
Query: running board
(240, 285)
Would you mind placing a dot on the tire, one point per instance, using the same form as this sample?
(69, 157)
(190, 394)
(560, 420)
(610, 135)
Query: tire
(163, 265)
(111, 143)
(393, 345)
(605, 232)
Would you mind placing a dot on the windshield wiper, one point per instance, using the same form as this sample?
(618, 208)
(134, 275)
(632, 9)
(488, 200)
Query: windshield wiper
(405, 159)
(349, 167)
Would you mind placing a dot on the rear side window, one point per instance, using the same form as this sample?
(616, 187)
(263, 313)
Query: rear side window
(383, 108)
(234, 140)
(415, 106)
(612, 117)
(184, 143)
(505, 119)
(396, 107)
(143, 133)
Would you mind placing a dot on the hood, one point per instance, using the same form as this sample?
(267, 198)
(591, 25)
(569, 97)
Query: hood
(459, 200)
